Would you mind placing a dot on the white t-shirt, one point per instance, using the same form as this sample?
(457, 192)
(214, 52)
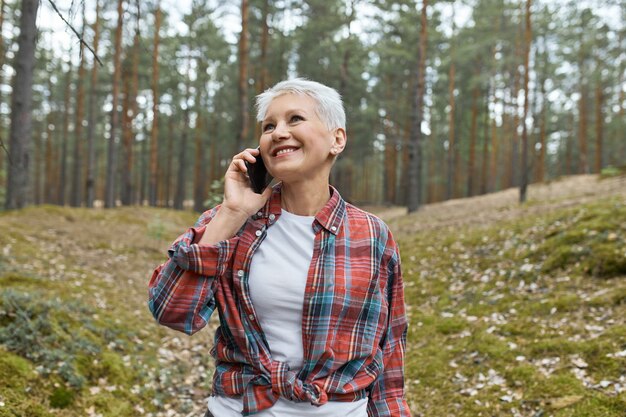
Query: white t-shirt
(278, 275)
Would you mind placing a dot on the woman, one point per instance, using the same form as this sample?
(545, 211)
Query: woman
(308, 287)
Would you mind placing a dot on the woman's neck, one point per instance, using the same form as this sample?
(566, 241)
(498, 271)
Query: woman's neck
(304, 199)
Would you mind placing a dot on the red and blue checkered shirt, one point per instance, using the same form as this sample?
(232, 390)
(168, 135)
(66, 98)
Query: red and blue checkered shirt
(353, 326)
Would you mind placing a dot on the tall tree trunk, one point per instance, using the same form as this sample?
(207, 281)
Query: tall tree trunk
(599, 127)
(524, 166)
(244, 115)
(569, 145)
(583, 166)
(127, 139)
(472, 144)
(264, 76)
(2, 57)
(485, 158)
(76, 193)
(169, 161)
(134, 92)
(109, 200)
(200, 165)
(541, 160)
(495, 151)
(154, 135)
(66, 133)
(20, 132)
(452, 102)
(200, 162)
(415, 151)
(38, 163)
(144, 167)
(179, 195)
(90, 189)
(48, 159)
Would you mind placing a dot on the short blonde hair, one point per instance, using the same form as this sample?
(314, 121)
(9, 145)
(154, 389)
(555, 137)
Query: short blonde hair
(329, 105)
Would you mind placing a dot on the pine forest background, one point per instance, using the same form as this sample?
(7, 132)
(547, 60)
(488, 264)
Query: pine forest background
(503, 85)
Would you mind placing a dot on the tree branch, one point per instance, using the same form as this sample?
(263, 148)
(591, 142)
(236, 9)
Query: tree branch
(54, 6)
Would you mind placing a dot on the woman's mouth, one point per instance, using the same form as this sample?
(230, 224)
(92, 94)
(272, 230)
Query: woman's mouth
(284, 151)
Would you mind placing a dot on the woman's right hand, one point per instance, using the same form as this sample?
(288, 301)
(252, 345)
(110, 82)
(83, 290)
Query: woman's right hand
(238, 194)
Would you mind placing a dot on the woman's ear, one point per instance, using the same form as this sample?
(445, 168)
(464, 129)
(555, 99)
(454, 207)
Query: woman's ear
(340, 141)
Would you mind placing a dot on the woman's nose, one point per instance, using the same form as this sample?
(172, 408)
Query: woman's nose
(281, 131)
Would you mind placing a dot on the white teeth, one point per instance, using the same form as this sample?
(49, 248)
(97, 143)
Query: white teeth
(282, 151)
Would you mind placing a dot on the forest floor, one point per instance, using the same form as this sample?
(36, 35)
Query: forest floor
(514, 310)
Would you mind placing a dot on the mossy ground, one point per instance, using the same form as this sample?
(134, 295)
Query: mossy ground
(511, 317)
(76, 337)
(522, 318)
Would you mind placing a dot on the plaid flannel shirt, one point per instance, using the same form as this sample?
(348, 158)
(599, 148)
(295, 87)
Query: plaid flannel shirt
(353, 327)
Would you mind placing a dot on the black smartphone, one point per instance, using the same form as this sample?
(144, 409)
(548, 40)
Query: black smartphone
(259, 177)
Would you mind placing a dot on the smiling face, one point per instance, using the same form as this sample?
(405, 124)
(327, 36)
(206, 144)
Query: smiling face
(295, 143)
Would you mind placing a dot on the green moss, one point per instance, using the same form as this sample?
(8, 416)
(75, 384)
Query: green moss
(604, 367)
(14, 370)
(561, 384)
(607, 260)
(491, 346)
(597, 405)
(61, 398)
(555, 346)
(451, 325)
(114, 368)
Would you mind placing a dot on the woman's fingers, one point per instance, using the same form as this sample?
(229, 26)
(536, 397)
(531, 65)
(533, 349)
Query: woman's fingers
(246, 155)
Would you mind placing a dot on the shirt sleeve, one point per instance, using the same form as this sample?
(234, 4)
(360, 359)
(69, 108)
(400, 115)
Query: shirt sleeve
(387, 393)
(181, 291)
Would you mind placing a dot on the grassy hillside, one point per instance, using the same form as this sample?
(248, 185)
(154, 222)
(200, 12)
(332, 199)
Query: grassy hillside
(516, 311)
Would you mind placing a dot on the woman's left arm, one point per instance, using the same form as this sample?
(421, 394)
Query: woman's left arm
(387, 393)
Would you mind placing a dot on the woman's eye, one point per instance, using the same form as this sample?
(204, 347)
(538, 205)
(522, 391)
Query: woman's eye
(267, 127)
(296, 118)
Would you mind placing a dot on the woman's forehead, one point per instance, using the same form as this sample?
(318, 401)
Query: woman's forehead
(290, 101)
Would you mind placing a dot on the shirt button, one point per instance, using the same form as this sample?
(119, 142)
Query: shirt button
(258, 233)
(240, 273)
(334, 228)
(272, 217)
(251, 317)
(260, 213)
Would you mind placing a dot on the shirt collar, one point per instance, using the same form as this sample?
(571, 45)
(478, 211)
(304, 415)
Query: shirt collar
(329, 217)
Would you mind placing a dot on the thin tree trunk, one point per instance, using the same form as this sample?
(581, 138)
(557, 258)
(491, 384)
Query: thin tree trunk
(48, 161)
(472, 144)
(244, 115)
(2, 57)
(179, 195)
(264, 77)
(65, 137)
(20, 132)
(144, 167)
(583, 166)
(127, 139)
(568, 149)
(38, 163)
(134, 92)
(200, 164)
(599, 127)
(495, 150)
(415, 164)
(76, 192)
(452, 101)
(167, 186)
(524, 167)
(485, 158)
(154, 135)
(90, 189)
(109, 200)
(541, 162)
